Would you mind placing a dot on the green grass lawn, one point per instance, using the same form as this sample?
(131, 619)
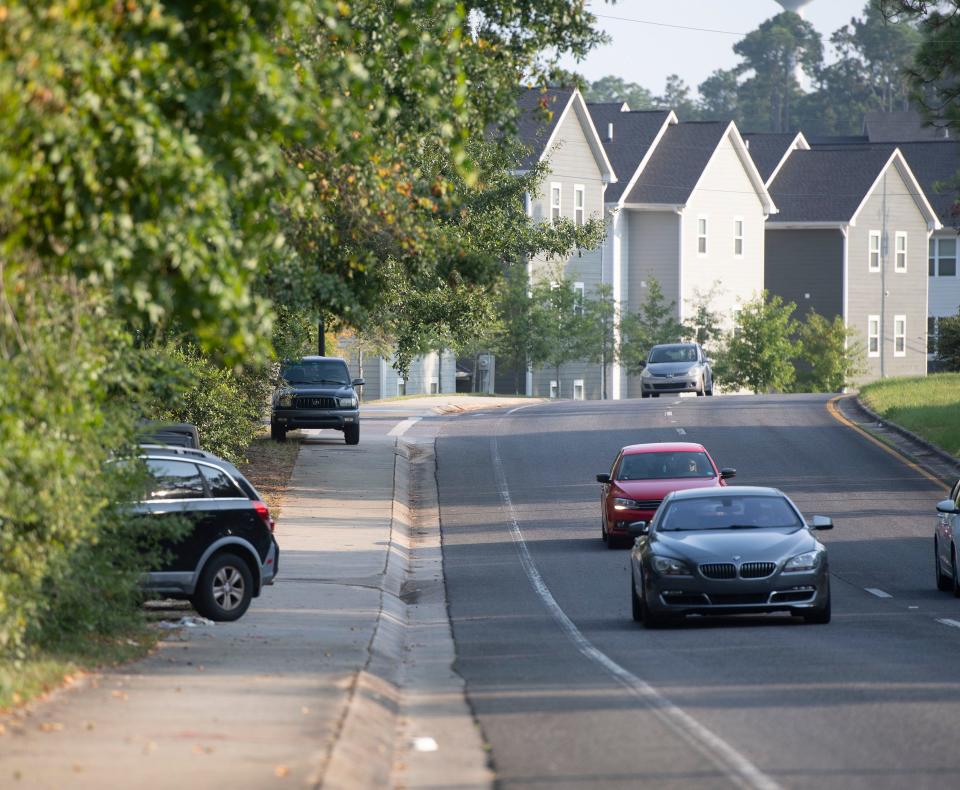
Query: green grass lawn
(928, 406)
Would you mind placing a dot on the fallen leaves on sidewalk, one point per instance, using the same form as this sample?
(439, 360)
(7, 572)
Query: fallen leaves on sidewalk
(281, 771)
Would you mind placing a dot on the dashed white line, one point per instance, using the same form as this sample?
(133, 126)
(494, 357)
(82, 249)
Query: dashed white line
(948, 621)
(735, 765)
(402, 427)
(877, 592)
(681, 431)
(668, 414)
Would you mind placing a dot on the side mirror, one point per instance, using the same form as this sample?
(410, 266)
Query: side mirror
(603, 478)
(642, 364)
(726, 474)
(821, 522)
(637, 528)
(947, 506)
(357, 383)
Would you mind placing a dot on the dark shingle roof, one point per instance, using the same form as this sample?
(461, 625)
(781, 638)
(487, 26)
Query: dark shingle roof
(767, 150)
(826, 184)
(633, 134)
(899, 127)
(534, 127)
(677, 163)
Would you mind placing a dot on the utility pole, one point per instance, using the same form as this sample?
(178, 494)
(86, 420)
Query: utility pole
(321, 341)
(883, 280)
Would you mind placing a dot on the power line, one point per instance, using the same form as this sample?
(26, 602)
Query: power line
(667, 24)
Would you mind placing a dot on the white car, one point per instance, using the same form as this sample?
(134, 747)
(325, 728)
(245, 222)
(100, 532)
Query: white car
(945, 543)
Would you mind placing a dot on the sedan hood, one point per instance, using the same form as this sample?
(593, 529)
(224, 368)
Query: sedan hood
(670, 368)
(722, 545)
(658, 489)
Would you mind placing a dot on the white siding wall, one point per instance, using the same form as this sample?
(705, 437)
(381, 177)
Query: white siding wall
(945, 291)
(725, 193)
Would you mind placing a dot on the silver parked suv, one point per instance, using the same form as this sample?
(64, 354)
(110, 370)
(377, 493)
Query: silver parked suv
(676, 367)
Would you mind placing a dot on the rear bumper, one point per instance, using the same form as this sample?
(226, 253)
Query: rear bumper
(290, 419)
(271, 565)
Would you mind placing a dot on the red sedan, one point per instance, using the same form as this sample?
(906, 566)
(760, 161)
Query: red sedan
(643, 474)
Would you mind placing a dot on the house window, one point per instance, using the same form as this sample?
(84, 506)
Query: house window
(578, 389)
(702, 235)
(900, 251)
(738, 237)
(579, 203)
(554, 389)
(932, 329)
(873, 336)
(943, 257)
(874, 250)
(578, 298)
(401, 387)
(555, 202)
(899, 335)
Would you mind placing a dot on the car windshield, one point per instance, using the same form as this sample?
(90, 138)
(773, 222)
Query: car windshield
(673, 354)
(316, 371)
(665, 465)
(729, 511)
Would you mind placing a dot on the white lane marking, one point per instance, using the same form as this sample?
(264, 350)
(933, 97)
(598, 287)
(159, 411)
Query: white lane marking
(913, 607)
(681, 431)
(425, 744)
(948, 621)
(736, 767)
(668, 414)
(402, 427)
(878, 593)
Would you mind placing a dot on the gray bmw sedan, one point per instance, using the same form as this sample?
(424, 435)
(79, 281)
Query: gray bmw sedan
(734, 550)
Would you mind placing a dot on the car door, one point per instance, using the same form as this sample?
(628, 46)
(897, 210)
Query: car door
(231, 513)
(177, 491)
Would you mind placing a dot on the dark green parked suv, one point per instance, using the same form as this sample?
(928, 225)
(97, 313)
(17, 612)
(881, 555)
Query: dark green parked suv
(316, 392)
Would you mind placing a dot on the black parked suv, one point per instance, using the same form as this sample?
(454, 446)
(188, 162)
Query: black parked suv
(230, 553)
(316, 392)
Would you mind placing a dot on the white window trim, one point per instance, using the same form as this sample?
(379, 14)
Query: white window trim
(705, 235)
(870, 320)
(554, 185)
(579, 297)
(554, 390)
(579, 383)
(738, 237)
(936, 256)
(900, 234)
(897, 318)
(579, 212)
(874, 234)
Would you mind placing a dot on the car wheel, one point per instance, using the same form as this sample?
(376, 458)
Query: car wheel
(277, 433)
(819, 616)
(225, 588)
(613, 541)
(650, 619)
(654, 394)
(603, 529)
(351, 434)
(635, 607)
(644, 394)
(702, 389)
(944, 582)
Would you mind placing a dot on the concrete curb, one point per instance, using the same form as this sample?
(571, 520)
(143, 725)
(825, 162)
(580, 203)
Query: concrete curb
(928, 446)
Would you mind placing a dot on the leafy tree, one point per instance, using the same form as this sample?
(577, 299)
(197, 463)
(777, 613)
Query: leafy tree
(601, 347)
(948, 341)
(653, 323)
(676, 97)
(705, 326)
(719, 96)
(560, 332)
(615, 89)
(759, 354)
(831, 354)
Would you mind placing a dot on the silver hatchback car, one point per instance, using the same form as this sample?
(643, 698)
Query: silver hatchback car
(946, 538)
(676, 367)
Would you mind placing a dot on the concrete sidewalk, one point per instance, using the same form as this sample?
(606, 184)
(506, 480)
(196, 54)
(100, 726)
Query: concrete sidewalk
(338, 676)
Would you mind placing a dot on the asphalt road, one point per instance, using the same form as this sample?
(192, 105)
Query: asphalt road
(570, 692)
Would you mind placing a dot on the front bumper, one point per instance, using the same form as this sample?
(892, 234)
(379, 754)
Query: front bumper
(315, 418)
(622, 518)
(790, 592)
(671, 383)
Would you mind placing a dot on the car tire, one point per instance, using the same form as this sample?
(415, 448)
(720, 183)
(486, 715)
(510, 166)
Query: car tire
(351, 434)
(603, 530)
(654, 394)
(635, 607)
(613, 542)
(644, 394)
(277, 433)
(651, 620)
(702, 389)
(819, 616)
(710, 391)
(225, 588)
(944, 582)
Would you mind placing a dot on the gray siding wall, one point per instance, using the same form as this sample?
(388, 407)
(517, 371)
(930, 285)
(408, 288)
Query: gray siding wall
(652, 250)
(889, 209)
(423, 371)
(806, 267)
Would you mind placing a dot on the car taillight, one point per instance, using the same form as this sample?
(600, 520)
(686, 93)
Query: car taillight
(264, 512)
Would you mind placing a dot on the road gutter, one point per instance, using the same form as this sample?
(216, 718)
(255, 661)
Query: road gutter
(407, 723)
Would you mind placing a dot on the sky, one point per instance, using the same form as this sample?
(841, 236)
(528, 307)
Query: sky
(646, 53)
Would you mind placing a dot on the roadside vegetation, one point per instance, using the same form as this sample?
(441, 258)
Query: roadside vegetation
(929, 406)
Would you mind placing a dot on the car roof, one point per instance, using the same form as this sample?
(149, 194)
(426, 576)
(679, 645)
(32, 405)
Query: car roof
(313, 358)
(707, 493)
(182, 453)
(664, 447)
(675, 345)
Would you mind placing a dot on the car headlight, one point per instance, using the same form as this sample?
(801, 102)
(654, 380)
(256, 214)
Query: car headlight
(622, 503)
(285, 401)
(667, 566)
(693, 371)
(802, 562)
(347, 403)
(645, 373)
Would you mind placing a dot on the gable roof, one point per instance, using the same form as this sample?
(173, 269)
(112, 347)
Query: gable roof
(634, 132)
(936, 164)
(829, 185)
(770, 150)
(541, 113)
(900, 127)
